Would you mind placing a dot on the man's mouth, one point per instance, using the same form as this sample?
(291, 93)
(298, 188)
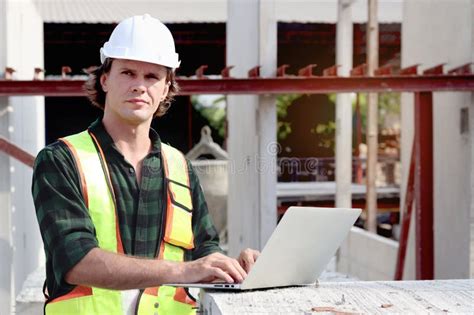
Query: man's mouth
(137, 101)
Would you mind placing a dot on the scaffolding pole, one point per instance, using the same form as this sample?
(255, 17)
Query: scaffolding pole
(372, 132)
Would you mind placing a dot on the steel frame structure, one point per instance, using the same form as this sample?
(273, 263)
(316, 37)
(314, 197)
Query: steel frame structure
(283, 85)
(406, 80)
(420, 183)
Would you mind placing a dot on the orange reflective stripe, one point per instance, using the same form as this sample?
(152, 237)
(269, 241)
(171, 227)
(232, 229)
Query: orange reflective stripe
(178, 227)
(119, 237)
(84, 183)
(100, 200)
(182, 296)
(169, 219)
(73, 151)
(151, 291)
(78, 291)
(154, 291)
(162, 250)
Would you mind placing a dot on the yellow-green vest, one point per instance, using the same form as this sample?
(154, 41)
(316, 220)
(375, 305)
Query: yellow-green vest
(99, 198)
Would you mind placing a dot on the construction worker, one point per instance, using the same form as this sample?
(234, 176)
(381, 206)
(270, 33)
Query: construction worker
(120, 212)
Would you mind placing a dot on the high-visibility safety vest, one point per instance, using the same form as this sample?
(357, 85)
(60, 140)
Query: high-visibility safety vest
(99, 198)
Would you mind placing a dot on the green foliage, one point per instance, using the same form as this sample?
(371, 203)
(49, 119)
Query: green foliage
(215, 113)
(388, 103)
(283, 102)
(326, 134)
(284, 129)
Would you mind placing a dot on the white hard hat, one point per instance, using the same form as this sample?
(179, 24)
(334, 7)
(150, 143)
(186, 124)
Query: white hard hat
(141, 38)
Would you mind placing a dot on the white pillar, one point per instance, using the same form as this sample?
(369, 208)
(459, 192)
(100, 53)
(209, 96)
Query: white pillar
(6, 253)
(427, 42)
(251, 143)
(21, 49)
(344, 39)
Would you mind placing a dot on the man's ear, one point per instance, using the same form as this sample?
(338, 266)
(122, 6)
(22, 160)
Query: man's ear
(103, 82)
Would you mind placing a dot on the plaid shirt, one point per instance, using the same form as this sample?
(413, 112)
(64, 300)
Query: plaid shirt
(66, 227)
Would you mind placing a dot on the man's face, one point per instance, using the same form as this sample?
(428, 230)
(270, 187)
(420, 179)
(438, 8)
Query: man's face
(134, 90)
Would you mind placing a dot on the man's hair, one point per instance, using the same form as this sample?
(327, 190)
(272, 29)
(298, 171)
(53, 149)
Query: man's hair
(96, 94)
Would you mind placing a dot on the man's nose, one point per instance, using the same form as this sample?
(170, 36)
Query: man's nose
(138, 85)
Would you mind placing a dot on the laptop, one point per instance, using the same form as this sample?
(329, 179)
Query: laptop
(297, 252)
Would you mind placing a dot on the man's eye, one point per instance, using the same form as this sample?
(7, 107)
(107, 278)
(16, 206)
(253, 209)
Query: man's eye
(127, 72)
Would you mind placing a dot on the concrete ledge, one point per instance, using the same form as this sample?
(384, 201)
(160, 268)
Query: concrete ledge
(401, 297)
(367, 256)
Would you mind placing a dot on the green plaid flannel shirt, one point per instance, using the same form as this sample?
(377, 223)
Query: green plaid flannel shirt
(66, 227)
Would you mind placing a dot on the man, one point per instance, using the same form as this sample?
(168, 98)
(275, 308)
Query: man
(118, 210)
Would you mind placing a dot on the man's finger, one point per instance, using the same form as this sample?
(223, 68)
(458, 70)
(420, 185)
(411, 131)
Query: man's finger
(224, 276)
(240, 269)
(232, 268)
(247, 258)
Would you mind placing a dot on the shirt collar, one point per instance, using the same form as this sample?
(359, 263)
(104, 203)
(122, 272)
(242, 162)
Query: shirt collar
(106, 141)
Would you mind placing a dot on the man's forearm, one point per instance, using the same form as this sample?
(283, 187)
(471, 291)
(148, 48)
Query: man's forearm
(108, 270)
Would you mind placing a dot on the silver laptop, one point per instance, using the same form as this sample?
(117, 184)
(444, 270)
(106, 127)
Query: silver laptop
(299, 249)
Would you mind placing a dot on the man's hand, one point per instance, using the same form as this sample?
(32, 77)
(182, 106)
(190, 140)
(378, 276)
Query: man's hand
(103, 269)
(247, 258)
(213, 267)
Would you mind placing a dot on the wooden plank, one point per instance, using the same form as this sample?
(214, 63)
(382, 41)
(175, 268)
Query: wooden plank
(375, 297)
(372, 117)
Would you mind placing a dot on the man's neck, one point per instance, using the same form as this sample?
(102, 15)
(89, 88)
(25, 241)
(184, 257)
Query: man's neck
(132, 140)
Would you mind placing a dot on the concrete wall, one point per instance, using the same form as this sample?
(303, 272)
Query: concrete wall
(435, 32)
(471, 123)
(21, 245)
(5, 234)
(367, 256)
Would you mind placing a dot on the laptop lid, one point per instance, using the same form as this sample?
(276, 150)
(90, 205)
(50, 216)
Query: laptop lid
(301, 246)
(299, 249)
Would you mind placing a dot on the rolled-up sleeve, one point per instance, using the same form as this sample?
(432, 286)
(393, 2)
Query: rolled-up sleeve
(66, 227)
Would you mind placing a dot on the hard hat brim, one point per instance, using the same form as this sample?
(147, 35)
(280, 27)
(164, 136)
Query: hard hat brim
(166, 62)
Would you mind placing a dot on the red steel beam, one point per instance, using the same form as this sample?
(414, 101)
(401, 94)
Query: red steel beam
(412, 70)
(283, 85)
(225, 73)
(16, 152)
(358, 166)
(436, 70)
(424, 185)
(200, 72)
(281, 70)
(9, 73)
(331, 71)
(254, 72)
(407, 210)
(385, 70)
(358, 71)
(464, 69)
(307, 71)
